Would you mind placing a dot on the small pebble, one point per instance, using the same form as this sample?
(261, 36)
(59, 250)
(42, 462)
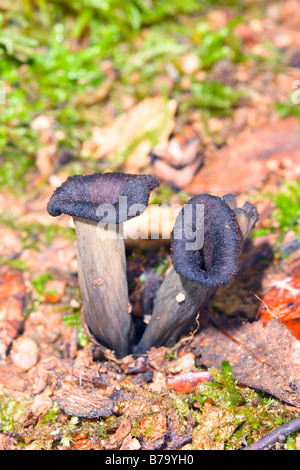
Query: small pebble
(54, 291)
(24, 353)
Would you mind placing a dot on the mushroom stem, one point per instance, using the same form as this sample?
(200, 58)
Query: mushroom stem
(103, 284)
(179, 300)
(177, 303)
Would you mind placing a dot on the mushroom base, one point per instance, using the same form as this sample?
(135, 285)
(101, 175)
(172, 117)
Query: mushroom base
(186, 299)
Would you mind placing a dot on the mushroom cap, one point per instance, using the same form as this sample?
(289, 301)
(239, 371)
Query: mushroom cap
(216, 262)
(83, 195)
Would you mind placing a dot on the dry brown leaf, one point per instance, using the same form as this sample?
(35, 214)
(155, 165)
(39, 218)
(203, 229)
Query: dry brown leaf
(177, 161)
(178, 178)
(130, 443)
(156, 357)
(147, 116)
(246, 163)
(12, 377)
(265, 357)
(87, 443)
(121, 433)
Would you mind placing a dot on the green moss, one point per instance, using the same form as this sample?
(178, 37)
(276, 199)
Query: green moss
(13, 263)
(52, 415)
(287, 211)
(245, 415)
(50, 55)
(74, 320)
(161, 266)
(235, 396)
(11, 413)
(290, 443)
(211, 96)
(288, 109)
(31, 233)
(39, 282)
(286, 214)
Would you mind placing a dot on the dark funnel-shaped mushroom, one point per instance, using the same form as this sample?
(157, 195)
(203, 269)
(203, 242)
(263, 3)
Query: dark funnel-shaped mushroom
(206, 242)
(99, 204)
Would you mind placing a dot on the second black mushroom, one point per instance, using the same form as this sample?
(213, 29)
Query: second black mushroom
(198, 272)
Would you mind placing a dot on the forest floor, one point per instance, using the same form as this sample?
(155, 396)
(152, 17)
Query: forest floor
(208, 101)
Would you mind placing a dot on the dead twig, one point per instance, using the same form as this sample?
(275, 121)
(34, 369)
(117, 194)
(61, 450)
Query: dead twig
(271, 438)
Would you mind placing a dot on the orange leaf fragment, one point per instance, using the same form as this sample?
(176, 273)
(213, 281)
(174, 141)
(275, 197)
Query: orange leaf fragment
(187, 382)
(282, 302)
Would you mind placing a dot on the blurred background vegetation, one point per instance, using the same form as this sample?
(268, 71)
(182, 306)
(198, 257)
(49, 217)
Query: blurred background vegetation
(75, 60)
(79, 63)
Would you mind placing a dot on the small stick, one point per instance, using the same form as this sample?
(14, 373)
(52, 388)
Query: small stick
(273, 436)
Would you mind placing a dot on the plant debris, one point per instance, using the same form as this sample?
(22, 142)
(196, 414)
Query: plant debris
(265, 357)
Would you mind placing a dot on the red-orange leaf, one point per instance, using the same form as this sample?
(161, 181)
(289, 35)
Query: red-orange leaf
(282, 302)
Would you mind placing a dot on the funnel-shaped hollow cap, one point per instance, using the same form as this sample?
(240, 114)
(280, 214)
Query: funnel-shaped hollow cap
(83, 196)
(216, 262)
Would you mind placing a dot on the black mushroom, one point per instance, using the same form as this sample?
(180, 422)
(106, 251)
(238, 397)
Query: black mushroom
(205, 251)
(99, 204)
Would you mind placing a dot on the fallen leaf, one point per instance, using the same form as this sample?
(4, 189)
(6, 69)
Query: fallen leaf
(177, 161)
(181, 149)
(245, 164)
(282, 302)
(86, 443)
(187, 382)
(133, 128)
(156, 357)
(176, 177)
(130, 443)
(12, 377)
(121, 433)
(84, 403)
(265, 357)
